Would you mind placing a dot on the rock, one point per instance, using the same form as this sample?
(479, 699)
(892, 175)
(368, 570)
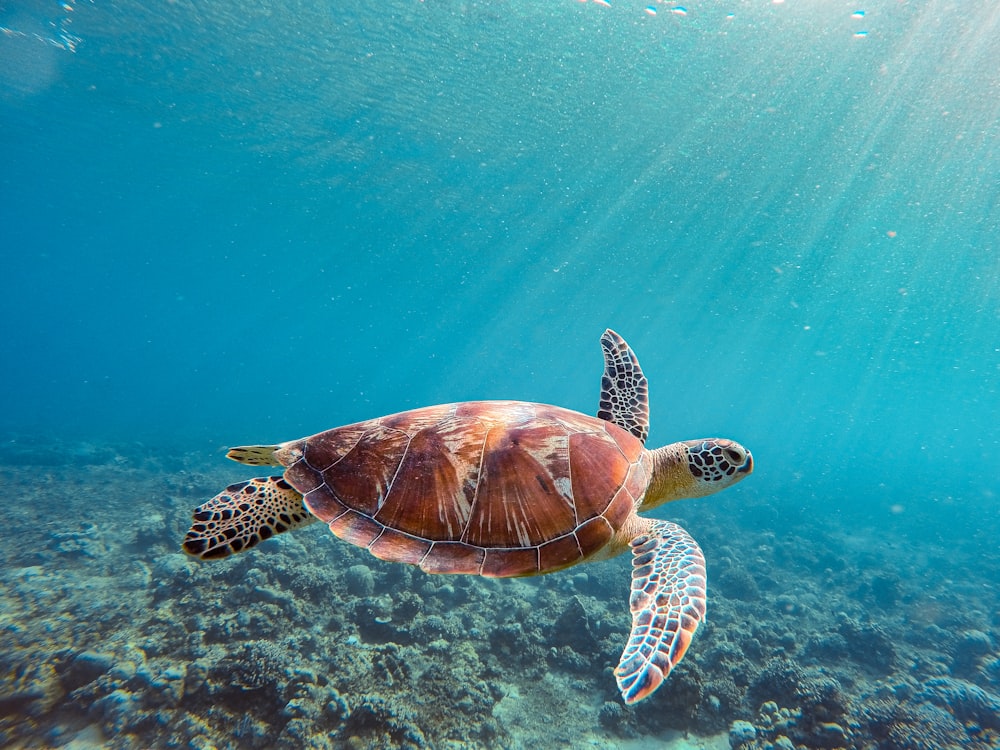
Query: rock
(384, 724)
(86, 667)
(572, 628)
(869, 644)
(828, 647)
(117, 710)
(886, 590)
(615, 717)
(741, 733)
(29, 689)
(968, 702)
(911, 726)
(268, 594)
(738, 583)
(972, 646)
(360, 580)
(990, 669)
(830, 734)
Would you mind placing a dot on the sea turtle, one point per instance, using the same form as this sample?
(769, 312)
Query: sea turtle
(502, 488)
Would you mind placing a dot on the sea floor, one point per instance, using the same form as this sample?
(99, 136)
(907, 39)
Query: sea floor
(824, 631)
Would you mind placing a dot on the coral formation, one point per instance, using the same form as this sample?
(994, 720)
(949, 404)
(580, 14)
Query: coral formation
(111, 632)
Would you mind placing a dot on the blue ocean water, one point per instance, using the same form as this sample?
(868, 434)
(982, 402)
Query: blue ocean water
(261, 221)
(239, 223)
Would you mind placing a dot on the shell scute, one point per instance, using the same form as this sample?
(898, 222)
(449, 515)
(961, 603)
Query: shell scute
(630, 446)
(518, 502)
(413, 421)
(398, 547)
(304, 478)
(596, 473)
(453, 557)
(594, 534)
(559, 553)
(620, 508)
(355, 528)
(579, 423)
(502, 563)
(437, 479)
(362, 476)
(327, 448)
(638, 476)
(493, 413)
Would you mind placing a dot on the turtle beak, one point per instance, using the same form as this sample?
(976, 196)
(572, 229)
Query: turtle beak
(747, 467)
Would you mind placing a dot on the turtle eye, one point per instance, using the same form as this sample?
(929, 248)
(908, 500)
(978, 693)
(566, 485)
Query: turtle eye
(735, 456)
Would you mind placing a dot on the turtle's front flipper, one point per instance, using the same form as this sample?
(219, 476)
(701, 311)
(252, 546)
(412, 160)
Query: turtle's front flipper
(244, 514)
(667, 602)
(624, 389)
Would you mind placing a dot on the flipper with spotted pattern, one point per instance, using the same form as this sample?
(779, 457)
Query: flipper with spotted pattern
(244, 514)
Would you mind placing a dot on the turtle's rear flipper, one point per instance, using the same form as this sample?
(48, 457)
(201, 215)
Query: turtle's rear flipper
(244, 514)
(667, 602)
(255, 455)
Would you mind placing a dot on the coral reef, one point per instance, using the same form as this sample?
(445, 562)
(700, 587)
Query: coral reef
(113, 635)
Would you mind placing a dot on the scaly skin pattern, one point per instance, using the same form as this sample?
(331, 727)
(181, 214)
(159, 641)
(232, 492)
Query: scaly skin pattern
(624, 390)
(695, 468)
(667, 603)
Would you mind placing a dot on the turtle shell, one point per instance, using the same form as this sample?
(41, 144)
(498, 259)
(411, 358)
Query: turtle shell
(495, 488)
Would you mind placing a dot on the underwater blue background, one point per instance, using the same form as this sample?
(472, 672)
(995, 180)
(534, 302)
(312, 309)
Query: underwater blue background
(250, 223)
(239, 223)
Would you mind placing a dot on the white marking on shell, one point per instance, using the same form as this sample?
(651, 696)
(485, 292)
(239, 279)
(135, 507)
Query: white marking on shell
(565, 487)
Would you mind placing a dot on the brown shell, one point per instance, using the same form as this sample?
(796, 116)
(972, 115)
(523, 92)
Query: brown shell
(495, 488)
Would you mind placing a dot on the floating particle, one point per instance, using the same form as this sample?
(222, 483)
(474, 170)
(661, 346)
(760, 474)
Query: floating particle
(858, 14)
(891, 233)
(651, 10)
(730, 16)
(860, 34)
(679, 11)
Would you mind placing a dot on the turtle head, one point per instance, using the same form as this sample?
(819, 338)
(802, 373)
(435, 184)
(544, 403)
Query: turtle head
(695, 468)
